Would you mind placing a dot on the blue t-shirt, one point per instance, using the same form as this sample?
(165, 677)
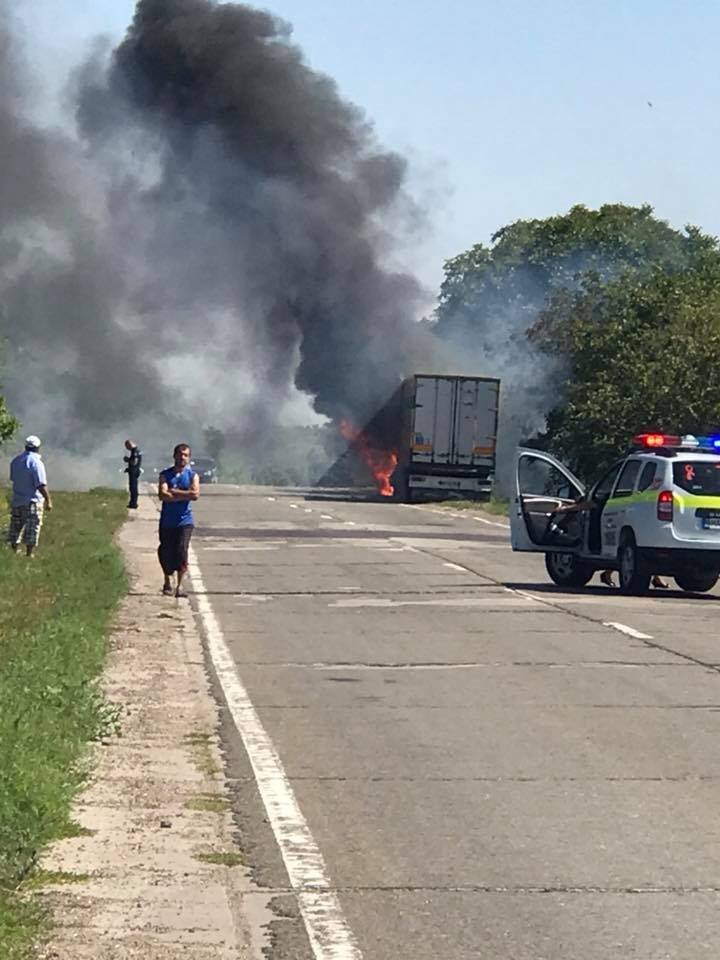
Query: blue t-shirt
(27, 473)
(179, 513)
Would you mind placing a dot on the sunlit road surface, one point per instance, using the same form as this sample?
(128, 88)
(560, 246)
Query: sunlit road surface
(484, 765)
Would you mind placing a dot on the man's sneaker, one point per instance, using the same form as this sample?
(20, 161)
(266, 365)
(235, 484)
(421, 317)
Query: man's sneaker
(167, 590)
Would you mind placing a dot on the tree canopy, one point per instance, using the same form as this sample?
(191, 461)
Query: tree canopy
(612, 312)
(643, 354)
(8, 423)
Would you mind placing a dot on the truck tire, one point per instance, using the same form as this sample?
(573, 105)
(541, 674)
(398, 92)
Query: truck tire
(632, 576)
(567, 570)
(697, 582)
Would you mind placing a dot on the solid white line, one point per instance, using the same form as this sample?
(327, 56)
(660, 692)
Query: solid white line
(630, 631)
(330, 936)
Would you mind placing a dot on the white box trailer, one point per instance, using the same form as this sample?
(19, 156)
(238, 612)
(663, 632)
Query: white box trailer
(448, 436)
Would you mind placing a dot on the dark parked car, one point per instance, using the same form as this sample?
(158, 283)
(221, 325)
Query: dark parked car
(206, 469)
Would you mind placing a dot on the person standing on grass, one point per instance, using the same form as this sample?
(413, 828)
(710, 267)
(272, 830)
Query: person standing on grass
(133, 470)
(178, 486)
(29, 493)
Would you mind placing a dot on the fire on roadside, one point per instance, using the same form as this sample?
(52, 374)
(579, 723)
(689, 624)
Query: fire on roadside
(381, 462)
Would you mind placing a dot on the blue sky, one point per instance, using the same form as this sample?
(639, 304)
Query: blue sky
(505, 109)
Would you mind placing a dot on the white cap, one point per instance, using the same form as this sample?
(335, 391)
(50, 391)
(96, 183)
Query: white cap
(32, 441)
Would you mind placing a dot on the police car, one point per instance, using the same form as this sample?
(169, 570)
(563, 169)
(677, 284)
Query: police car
(656, 511)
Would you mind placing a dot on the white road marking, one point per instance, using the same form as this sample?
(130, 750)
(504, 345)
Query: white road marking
(328, 931)
(235, 549)
(530, 596)
(630, 631)
(325, 516)
(308, 509)
(294, 506)
(492, 523)
(271, 499)
(455, 566)
(350, 523)
(497, 601)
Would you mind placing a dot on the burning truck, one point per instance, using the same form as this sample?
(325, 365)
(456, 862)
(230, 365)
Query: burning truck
(435, 437)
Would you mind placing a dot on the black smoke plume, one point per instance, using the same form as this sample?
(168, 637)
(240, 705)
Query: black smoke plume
(212, 233)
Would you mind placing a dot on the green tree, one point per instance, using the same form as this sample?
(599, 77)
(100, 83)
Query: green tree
(8, 423)
(583, 317)
(644, 354)
(510, 282)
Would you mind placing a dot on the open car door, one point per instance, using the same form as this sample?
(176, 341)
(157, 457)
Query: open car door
(543, 485)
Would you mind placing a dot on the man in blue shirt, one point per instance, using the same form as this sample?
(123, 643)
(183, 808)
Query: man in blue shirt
(29, 492)
(177, 487)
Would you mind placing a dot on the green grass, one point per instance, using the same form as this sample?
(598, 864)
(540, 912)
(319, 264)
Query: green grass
(199, 746)
(221, 859)
(55, 611)
(209, 802)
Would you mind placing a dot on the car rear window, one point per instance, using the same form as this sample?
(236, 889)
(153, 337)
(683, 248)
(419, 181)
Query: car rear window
(701, 477)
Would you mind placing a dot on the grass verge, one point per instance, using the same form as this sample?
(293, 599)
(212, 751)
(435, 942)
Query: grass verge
(55, 611)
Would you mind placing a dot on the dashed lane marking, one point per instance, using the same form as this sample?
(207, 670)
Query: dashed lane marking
(501, 602)
(328, 931)
(325, 516)
(630, 631)
(454, 566)
(492, 523)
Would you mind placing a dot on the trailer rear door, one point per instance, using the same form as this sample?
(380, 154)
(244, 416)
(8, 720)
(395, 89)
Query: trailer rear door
(434, 417)
(475, 421)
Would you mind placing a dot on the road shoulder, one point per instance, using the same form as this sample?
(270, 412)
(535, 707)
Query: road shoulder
(155, 872)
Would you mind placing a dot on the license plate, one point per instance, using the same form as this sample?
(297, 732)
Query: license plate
(711, 522)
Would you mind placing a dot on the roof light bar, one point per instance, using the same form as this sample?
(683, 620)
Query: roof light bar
(654, 441)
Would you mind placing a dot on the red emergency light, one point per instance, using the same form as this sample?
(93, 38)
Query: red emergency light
(656, 440)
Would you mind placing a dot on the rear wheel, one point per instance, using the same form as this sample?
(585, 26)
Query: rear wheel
(567, 570)
(697, 582)
(633, 576)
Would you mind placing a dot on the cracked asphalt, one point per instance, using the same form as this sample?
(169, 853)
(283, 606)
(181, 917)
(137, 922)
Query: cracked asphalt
(490, 766)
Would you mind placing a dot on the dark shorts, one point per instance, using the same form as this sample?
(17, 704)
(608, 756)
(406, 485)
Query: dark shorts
(173, 549)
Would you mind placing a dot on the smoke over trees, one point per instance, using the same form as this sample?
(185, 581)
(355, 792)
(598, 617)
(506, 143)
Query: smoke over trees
(583, 316)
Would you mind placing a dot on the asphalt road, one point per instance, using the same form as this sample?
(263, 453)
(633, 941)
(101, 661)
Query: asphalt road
(488, 768)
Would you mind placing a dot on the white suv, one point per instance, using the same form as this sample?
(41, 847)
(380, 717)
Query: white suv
(656, 511)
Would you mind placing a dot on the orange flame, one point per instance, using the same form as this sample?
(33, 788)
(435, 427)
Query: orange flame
(382, 463)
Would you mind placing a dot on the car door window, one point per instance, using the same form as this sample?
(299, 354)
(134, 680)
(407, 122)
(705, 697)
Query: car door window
(626, 481)
(538, 477)
(647, 476)
(605, 484)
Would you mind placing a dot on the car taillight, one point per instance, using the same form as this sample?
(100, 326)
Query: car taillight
(665, 505)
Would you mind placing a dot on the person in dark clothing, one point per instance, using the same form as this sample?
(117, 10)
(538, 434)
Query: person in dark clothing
(133, 470)
(178, 486)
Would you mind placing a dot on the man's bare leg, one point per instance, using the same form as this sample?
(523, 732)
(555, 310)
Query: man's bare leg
(179, 592)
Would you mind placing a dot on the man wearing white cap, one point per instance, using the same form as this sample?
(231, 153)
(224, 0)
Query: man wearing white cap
(29, 483)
